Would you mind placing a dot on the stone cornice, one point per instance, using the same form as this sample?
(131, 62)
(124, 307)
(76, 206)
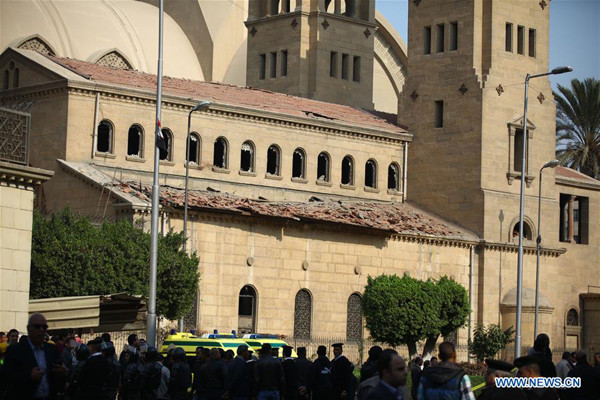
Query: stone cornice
(292, 14)
(435, 240)
(577, 183)
(21, 176)
(513, 248)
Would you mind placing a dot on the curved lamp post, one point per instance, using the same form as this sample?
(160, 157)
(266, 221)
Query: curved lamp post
(528, 77)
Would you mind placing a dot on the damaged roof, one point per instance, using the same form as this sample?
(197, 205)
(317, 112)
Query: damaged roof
(255, 99)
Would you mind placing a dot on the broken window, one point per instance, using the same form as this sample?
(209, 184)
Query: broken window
(168, 136)
(347, 171)
(273, 156)
(527, 232)
(194, 148)
(247, 157)
(134, 141)
(104, 137)
(371, 174)
(394, 177)
(298, 164)
(220, 153)
(323, 167)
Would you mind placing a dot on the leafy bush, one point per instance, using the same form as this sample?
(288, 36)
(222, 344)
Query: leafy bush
(488, 341)
(72, 257)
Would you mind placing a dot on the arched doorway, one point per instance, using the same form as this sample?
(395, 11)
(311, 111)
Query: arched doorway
(247, 310)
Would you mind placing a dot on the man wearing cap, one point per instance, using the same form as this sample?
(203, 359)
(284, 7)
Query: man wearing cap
(529, 367)
(238, 376)
(343, 379)
(322, 381)
(290, 374)
(268, 375)
(94, 374)
(499, 369)
(304, 368)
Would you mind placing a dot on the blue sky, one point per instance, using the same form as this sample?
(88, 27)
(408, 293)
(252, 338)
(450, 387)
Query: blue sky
(574, 34)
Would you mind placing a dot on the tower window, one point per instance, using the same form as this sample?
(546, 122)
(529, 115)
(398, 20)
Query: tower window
(520, 39)
(371, 174)
(532, 43)
(273, 160)
(262, 67)
(439, 114)
(440, 38)
(273, 65)
(453, 36)
(220, 153)
(518, 153)
(508, 46)
(135, 141)
(427, 40)
(284, 62)
(347, 171)
(247, 157)
(394, 177)
(5, 80)
(274, 7)
(299, 164)
(168, 136)
(333, 60)
(323, 167)
(104, 137)
(345, 65)
(356, 69)
(16, 77)
(194, 148)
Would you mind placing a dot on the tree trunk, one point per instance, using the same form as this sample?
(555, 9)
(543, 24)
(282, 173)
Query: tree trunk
(429, 347)
(412, 349)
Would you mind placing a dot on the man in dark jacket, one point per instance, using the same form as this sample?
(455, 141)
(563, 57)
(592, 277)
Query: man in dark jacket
(369, 368)
(213, 375)
(34, 369)
(529, 367)
(151, 375)
(542, 351)
(415, 376)
(238, 376)
(499, 369)
(202, 356)
(590, 380)
(268, 375)
(304, 369)
(181, 376)
(446, 379)
(94, 375)
(290, 374)
(392, 378)
(343, 378)
(322, 381)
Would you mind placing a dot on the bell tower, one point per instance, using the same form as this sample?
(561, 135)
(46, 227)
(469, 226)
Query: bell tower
(318, 49)
(463, 101)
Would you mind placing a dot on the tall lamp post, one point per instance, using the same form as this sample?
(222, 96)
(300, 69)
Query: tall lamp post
(549, 164)
(528, 77)
(202, 106)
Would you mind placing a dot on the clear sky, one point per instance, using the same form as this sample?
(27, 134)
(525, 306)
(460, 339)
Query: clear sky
(574, 34)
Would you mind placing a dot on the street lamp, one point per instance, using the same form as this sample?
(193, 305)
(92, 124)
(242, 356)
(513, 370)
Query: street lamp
(202, 106)
(528, 77)
(549, 164)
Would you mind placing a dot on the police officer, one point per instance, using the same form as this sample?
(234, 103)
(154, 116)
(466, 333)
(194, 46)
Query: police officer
(290, 374)
(496, 369)
(181, 376)
(343, 379)
(304, 368)
(268, 375)
(151, 374)
(322, 381)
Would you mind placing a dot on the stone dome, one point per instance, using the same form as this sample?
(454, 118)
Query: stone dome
(527, 298)
(118, 32)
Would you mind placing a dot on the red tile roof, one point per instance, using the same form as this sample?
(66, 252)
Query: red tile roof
(570, 173)
(385, 216)
(256, 99)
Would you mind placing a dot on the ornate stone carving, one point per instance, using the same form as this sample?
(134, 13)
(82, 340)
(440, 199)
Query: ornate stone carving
(14, 134)
(325, 24)
(541, 98)
(500, 90)
(36, 44)
(294, 23)
(543, 4)
(367, 33)
(253, 31)
(463, 89)
(114, 60)
(354, 327)
(414, 95)
(302, 315)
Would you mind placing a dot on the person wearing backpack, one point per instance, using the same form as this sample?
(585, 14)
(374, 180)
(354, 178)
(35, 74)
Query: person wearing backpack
(151, 375)
(132, 377)
(445, 380)
(322, 386)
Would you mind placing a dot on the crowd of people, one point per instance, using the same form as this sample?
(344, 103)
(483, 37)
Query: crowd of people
(67, 369)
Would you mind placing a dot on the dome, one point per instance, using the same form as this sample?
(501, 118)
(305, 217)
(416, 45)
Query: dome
(123, 32)
(527, 299)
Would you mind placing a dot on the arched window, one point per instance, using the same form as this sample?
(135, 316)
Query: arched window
(323, 167)
(220, 153)
(104, 137)
(273, 160)
(527, 232)
(135, 141)
(572, 317)
(394, 177)
(299, 164)
(194, 148)
(371, 174)
(302, 314)
(168, 136)
(5, 80)
(354, 327)
(16, 78)
(247, 157)
(247, 310)
(347, 171)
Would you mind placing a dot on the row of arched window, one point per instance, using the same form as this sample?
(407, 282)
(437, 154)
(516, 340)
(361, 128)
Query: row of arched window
(303, 305)
(135, 140)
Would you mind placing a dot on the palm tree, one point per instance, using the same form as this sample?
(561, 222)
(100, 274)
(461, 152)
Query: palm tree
(578, 126)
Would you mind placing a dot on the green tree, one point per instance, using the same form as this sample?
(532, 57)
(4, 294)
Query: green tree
(488, 341)
(401, 310)
(578, 126)
(70, 256)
